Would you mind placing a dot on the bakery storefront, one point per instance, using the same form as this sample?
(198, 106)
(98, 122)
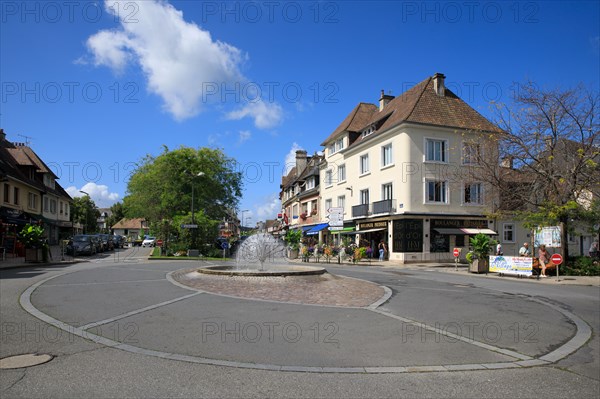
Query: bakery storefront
(447, 234)
(372, 233)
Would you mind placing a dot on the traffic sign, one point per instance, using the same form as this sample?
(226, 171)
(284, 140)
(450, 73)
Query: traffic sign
(159, 243)
(456, 252)
(189, 226)
(336, 223)
(335, 228)
(335, 210)
(557, 259)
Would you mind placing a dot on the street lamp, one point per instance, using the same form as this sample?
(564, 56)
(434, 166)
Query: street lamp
(242, 219)
(85, 225)
(194, 229)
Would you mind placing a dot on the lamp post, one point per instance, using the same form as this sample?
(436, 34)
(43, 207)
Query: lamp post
(194, 229)
(85, 224)
(242, 220)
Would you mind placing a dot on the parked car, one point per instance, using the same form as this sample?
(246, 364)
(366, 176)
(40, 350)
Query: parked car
(81, 244)
(149, 241)
(98, 242)
(107, 241)
(119, 241)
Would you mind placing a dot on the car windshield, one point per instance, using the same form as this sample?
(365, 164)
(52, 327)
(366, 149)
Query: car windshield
(81, 238)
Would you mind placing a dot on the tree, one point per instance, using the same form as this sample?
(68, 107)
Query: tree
(549, 155)
(117, 213)
(85, 212)
(161, 187)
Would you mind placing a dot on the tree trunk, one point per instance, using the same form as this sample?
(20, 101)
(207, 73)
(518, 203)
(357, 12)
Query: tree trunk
(564, 243)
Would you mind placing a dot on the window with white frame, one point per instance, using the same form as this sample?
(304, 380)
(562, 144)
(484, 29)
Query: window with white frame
(364, 196)
(342, 173)
(471, 153)
(386, 155)
(328, 203)
(436, 191)
(52, 206)
(473, 194)
(295, 211)
(368, 131)
(310, 183)
(341, 202)
(364, 164)
(32, 201)
(436, 150)
(328, 177)
(387, 192)
(336, 146)
(508, 232)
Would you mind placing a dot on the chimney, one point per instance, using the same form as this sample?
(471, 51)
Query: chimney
(2, 135)
(301, 161)
(438, 84)
(384, 99)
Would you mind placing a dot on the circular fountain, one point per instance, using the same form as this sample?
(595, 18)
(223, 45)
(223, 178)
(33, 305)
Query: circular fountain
(262, 255)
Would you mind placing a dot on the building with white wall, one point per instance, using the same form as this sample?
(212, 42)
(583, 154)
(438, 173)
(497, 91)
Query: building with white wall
(402, 172)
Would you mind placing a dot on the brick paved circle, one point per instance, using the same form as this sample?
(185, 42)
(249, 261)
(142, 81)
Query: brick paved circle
(325, 289)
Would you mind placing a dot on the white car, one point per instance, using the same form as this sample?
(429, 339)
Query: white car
(149, 242)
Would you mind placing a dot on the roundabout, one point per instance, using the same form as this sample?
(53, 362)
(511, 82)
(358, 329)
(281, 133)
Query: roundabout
(328, 323)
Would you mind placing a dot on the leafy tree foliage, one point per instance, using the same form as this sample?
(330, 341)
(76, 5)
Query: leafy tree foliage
(85, 212)
(117, 213)
(160, 189)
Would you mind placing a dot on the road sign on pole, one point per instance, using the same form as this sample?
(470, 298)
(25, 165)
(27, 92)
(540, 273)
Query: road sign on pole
(557, 259)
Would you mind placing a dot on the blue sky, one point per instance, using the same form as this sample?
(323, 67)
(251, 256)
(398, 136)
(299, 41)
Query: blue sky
(98, 85)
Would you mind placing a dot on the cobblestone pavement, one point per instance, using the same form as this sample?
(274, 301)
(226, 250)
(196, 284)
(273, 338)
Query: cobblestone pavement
(325, 289)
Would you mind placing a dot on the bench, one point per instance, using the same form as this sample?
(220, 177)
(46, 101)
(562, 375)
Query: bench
(537, 267)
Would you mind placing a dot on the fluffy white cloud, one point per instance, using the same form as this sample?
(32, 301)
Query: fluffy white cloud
(265, 115)
(98, 192)
(269, 208)
(180, 60)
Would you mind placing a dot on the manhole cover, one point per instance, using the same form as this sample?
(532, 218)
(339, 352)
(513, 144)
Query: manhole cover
(20, 361)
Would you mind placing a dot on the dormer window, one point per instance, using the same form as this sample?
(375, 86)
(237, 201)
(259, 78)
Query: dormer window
(368, 130)
(336, 146)
(310, 183)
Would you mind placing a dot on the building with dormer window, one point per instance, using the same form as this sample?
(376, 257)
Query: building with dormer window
(401, 172)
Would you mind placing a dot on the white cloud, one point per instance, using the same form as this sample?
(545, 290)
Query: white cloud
(269, 208)
(98, 192)
(244, 136)
(290, 158)
(266, 116)
(180, 60)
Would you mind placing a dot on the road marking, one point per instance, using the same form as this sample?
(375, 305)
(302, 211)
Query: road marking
(103, 282)
(138, 311)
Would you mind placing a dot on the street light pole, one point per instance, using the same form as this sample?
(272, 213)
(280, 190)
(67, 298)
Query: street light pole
(242, 220)
(194, 229)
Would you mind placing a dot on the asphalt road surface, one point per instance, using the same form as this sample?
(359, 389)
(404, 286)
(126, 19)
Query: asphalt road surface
(119, 326)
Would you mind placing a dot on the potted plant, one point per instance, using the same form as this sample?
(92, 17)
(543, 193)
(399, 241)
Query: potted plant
(31, 236)
(292, 238)
(481, 245)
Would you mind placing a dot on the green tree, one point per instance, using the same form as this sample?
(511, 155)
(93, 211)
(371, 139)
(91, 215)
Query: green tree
(85, 212)
(117, 213)
(161, 187)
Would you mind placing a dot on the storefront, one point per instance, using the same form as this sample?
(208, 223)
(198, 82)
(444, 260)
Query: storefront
(372, 233)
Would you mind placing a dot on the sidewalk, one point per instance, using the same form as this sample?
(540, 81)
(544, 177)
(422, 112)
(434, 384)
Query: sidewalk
(56, 258)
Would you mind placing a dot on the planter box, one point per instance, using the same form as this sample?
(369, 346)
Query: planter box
(478, 266)
(293, 253)
(33, 255)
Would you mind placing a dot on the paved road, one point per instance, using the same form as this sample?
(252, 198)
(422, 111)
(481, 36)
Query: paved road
(117, 326)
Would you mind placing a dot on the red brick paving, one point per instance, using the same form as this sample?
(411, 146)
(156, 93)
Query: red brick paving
(325, 289)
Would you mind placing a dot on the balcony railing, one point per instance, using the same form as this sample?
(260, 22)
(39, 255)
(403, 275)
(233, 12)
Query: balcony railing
(385, 206)
(360, 210)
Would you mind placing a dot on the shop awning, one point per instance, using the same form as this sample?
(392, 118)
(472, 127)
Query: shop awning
(464, 231)
(306, 228)
(317, 228)
(450, 231)
(370, 230)
(478, 231)
(345, 230)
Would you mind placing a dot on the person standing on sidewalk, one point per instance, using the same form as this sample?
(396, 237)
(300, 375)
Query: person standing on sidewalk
(544, 258)
(382, 251)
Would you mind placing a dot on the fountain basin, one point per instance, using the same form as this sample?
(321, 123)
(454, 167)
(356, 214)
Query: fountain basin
(272, 272)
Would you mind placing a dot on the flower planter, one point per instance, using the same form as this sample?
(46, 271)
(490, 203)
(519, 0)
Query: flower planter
(33, 255)
(478, 266)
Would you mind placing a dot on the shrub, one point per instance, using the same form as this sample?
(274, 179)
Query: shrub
(581, 266)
